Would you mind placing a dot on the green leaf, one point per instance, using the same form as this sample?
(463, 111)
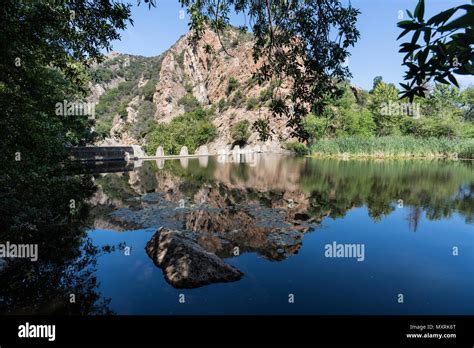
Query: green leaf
(409, 14)
(453, 80)
(442, 17)
(422, 56)
(466, 69)
(427, 35)
(459, 23)
(415, 37)
(408, 25)
(420, 10)
(404, 32)
(442, 80)
(463, 39)
(405, 86)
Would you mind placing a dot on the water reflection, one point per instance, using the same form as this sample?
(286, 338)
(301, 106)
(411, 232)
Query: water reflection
(51, 211)
(265, 204)
(270, 206)
(303, 187)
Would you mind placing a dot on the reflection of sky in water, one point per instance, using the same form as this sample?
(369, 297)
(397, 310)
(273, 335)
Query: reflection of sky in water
(417, 264)
(408, 250)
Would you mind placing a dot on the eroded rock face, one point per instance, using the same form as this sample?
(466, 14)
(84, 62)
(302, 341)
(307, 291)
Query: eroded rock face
(185, 264)
(192, 69)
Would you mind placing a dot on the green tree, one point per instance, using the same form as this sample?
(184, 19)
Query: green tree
(46, 47)
(292, 39)
(468, 103)
(381, 97)
(191, 129)
(240, 132)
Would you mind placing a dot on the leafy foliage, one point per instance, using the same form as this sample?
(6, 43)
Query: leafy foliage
(298, 148)
(191, 129)
(262, 126)
(241, 132)
(232, 85)
(44, 56)
(293, 41)
(447, 47)
(116, 100)
(189, 102)
(443, 113)
(382, 94)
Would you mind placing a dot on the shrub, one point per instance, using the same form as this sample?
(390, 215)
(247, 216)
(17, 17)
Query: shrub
(180, 59)
(238, 99)
(265, 94)
(298, 148)
(149, 90)
(145, 120)
(122, 109)
(232, 85)
(222, 105)
(189, 88)
(240, 132)
(189, 102)
(252, 103)
(315, 126)
(191, 129)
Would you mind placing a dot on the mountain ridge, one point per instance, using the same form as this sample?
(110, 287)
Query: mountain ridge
(134, 93)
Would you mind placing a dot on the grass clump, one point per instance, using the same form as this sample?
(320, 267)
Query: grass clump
(394, 147)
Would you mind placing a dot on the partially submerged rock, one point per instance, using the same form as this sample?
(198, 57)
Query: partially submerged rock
(185, 264)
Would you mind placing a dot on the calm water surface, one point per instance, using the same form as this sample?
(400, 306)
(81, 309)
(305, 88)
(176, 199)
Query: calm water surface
(414, 220)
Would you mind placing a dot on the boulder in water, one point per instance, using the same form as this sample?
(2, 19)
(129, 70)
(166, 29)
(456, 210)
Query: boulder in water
(185, 264)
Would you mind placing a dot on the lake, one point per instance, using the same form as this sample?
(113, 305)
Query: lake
(252, 234)
(310, 236)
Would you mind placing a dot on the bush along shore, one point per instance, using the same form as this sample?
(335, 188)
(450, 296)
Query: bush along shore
(393, 147)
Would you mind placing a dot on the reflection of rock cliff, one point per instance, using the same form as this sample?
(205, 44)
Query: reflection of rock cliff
(248, 228)
(185, 264)
(254, 212)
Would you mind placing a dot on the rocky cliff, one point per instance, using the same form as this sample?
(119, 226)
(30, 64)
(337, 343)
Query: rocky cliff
(134, 93)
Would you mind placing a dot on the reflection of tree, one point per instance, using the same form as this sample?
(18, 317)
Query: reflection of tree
(50, 211)
(413, 218)
(438, 188)
(323, 188)
(46, 286)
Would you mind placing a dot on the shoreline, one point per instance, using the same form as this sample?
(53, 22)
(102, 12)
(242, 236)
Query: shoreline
(359, 156)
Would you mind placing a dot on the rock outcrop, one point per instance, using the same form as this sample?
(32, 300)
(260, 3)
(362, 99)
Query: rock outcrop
(185, 264)
(219, 78)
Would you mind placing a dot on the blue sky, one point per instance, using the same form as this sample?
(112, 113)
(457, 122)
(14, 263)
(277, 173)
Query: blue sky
(376, 52)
